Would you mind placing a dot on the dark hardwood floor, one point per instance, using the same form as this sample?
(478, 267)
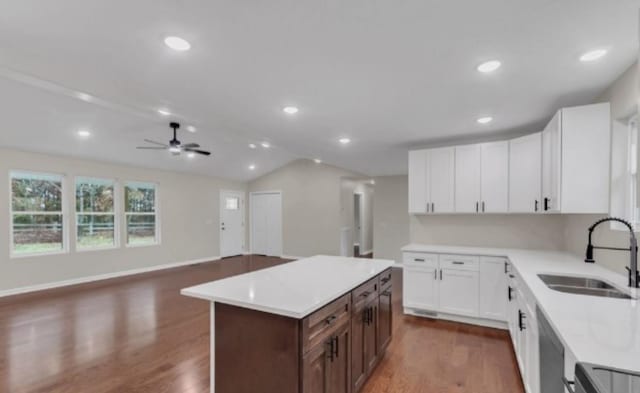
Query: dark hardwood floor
(138, 334)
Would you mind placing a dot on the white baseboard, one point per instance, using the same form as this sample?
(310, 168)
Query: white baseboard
(291, 257)
(99, 277)
(458, 318)
(366, 252)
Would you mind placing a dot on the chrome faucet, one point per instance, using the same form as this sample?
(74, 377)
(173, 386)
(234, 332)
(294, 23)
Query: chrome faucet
(634, 276)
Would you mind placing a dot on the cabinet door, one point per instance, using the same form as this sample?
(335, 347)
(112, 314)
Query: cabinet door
(358, 362)
(493, 288)
(525, 173)
(494, 177)
(339, 380)
(420, 288)
(385, 319)
(459, 292)
(371, 336)
(551, 164)
(533, 361)
(440, 177)
(467, 178)
(315, 369)
(418, 181)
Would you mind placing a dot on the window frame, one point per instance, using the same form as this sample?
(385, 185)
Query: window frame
(115, 213)
(156, 213)
(64, 212)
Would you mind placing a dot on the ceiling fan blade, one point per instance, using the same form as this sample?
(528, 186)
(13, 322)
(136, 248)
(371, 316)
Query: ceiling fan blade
(155, 143)
(151, 148)
(203, 152)
(190, 146)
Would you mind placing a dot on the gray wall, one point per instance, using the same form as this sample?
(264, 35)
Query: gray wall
(390, 217)
(311, 206)
(189, 221)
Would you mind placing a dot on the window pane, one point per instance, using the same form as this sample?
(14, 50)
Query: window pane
(141, 229)
(140, 198)
(94, 195)
(36, 193)
(36, 233)
(95, 231)
(232, 203)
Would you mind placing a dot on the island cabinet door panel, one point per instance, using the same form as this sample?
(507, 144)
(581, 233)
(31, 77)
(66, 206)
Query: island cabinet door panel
(358, 362)
(315, 369)
(385, 319)
(339, 378)
(371, 336)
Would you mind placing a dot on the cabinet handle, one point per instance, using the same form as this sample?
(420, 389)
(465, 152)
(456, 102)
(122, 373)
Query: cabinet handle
(483, 206)
(535, 208)
(418, 259)
(476, 207)
(433, 209)
(509, 290)
(458, 263)
(440, 274)
(365, 294)
(427, 207)
(330, 344)
(330, 320)
(521, 318)
(435, 274)
(336, 346)
(546, 203)
(506, 267)
(385, 280)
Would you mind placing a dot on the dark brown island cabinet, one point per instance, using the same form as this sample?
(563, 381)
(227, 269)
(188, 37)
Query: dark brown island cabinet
(333, 350)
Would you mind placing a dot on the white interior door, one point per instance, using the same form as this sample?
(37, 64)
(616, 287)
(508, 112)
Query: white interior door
(231, 223)
(266, 223)
(357, 221)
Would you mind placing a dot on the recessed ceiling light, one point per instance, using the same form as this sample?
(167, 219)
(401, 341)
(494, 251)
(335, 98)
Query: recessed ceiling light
(485, 119)
(252, 146)
(344, 141)
(84, 133)
(191, 154)
(191, 129)
(84, 96)
(317, 161)
(177, 43)
(489, 66)
(593, 55)
(252, 167)
(291, 110)
(266, 145)
(164, 112)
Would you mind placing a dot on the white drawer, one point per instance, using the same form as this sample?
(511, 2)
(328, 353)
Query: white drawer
(420, 259)
(460, 262)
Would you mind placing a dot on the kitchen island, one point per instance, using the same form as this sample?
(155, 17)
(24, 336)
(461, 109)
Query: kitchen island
(319, 324)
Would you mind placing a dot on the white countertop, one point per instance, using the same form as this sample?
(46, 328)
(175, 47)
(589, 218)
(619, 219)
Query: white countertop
(597, 330)
(294, 289)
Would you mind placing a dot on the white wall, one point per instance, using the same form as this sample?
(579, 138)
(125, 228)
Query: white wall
(189, 221)
(311, 206)
(390, 217)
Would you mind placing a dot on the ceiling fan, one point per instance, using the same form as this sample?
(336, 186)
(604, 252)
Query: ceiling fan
(175, 146)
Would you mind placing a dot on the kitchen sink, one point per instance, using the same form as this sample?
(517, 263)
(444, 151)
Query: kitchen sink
(582, 286)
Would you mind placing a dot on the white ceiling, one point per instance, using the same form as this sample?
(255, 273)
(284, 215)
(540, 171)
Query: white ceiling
(388, 74)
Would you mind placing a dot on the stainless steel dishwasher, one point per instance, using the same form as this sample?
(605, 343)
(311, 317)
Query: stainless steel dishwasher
(551, 357)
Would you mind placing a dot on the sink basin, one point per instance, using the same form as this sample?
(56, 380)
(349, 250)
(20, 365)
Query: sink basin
(582, 286)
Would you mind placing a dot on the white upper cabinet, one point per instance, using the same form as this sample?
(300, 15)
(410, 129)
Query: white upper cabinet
(525, 173)
(418, 181)
(467, 179)
(576, 151)
(440, 178)
(494, 177)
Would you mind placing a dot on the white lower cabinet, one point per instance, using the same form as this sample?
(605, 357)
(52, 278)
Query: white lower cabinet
(459, 292)
(493, 288)
(420, 287)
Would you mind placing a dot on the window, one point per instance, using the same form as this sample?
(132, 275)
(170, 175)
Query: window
(37, 219)
(95, 214)
(632, 172)
(140, 213)
(232, 203)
